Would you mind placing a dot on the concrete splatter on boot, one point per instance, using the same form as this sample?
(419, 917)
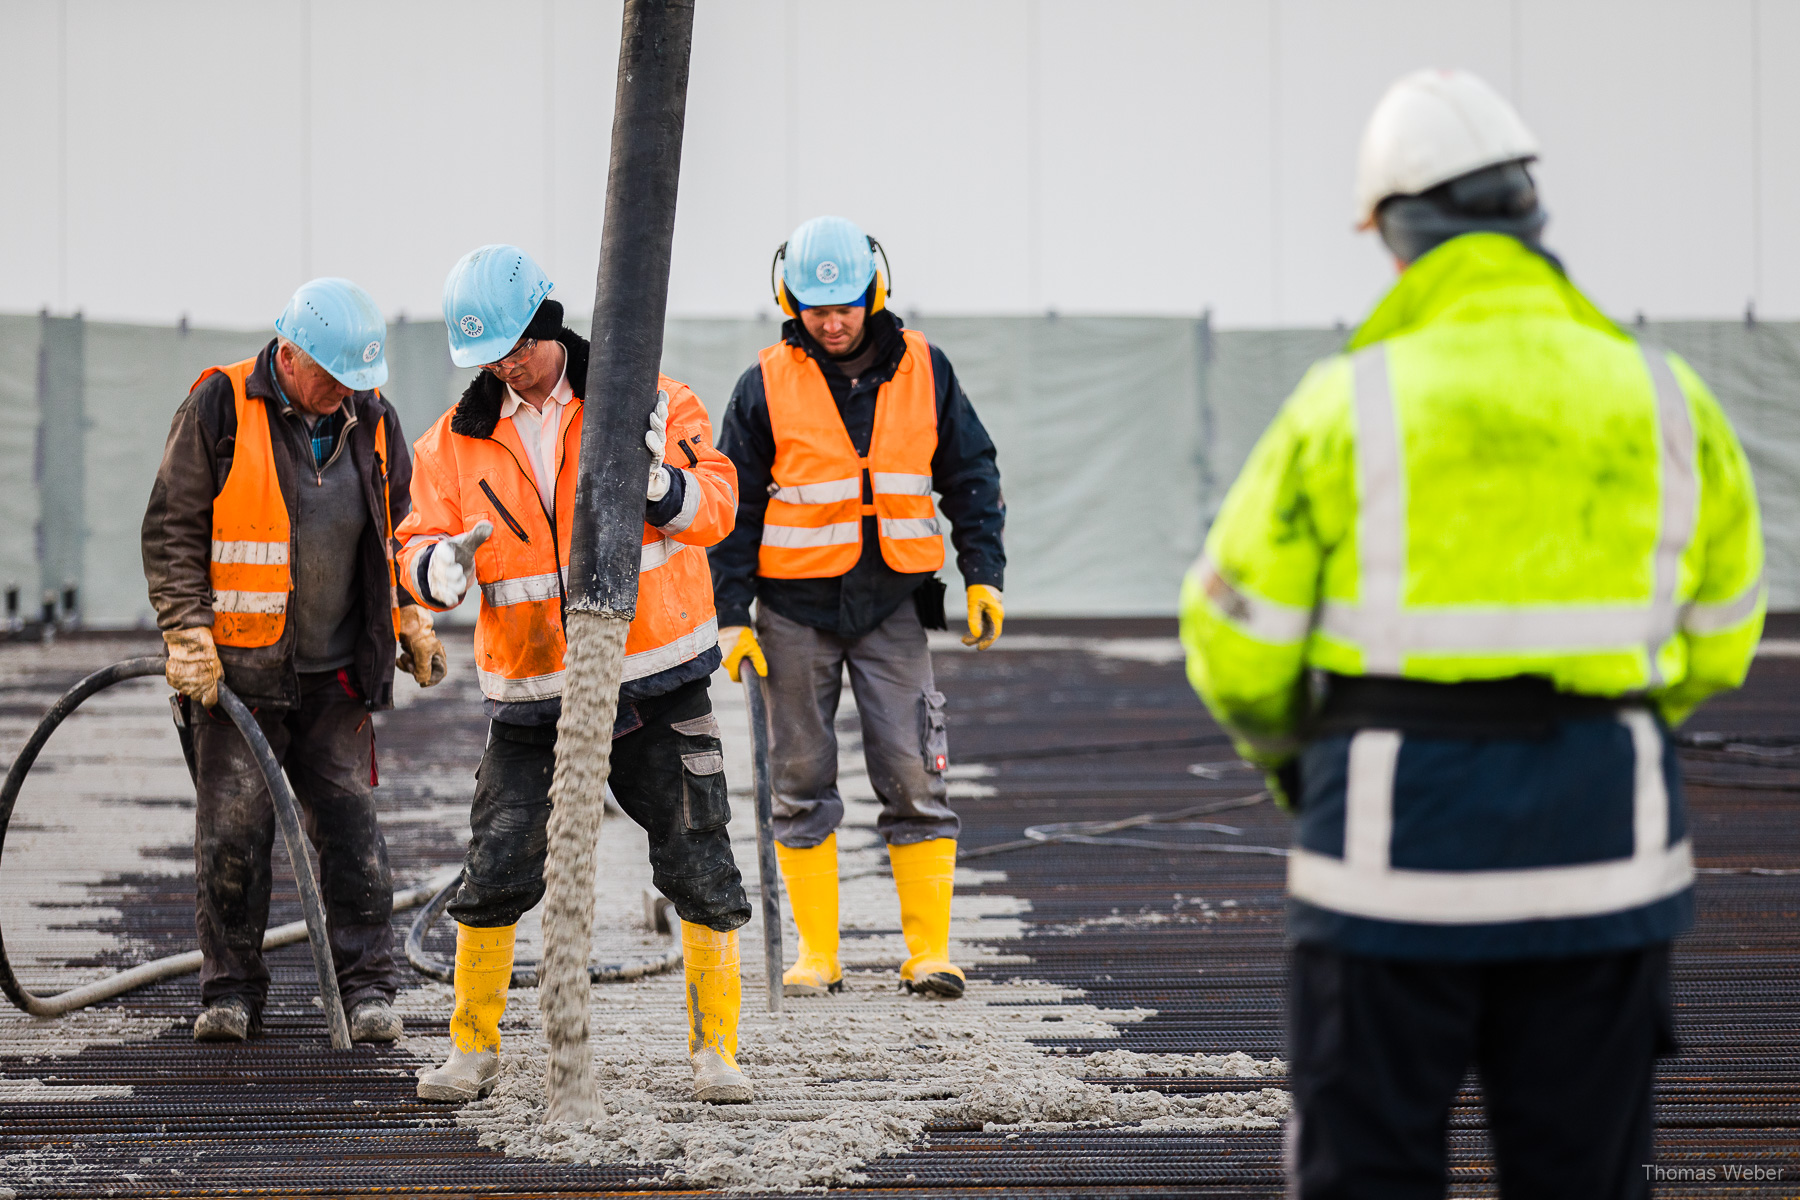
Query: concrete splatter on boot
(484, 959)
(227, 1020)
(714, 993)
(375, 1021)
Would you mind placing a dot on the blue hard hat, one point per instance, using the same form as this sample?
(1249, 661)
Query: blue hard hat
(489, 299)
(337, 323)
(828, 260)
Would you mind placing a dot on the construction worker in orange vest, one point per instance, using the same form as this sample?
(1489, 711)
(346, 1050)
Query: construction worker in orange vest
(841, 432)
(266, 547)
(493, 505)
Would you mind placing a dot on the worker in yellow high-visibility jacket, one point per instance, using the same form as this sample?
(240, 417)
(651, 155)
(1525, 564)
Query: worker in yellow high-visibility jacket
(1474, 571)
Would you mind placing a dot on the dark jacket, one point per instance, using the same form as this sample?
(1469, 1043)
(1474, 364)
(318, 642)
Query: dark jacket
(177, 534)
(963, 472)
(477, 415)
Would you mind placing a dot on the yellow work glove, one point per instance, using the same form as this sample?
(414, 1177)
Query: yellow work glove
(421, 653)
(194, 668)
(740, 643)
(986, 615)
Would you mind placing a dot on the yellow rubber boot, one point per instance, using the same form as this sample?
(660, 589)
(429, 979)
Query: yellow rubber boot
(811, 879)
(925, 877)
(484, 959)
(714, 994)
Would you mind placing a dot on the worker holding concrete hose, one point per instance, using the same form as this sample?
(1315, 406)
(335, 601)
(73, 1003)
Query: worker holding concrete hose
(841, 432)
(493, 504)
(1477, 567)
(267, 550)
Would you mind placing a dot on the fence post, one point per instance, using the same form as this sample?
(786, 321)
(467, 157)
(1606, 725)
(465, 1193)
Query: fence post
(60, 470)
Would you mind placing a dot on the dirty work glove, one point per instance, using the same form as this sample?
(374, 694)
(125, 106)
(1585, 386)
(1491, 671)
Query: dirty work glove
(657, 440)
(740, 643)
(421, 654)
(194, 668)
(986, 615)
(452, 564)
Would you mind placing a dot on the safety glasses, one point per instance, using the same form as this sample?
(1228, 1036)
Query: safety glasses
(515, 359)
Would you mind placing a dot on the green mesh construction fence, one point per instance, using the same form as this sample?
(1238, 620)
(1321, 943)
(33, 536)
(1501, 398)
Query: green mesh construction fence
(1117, 436)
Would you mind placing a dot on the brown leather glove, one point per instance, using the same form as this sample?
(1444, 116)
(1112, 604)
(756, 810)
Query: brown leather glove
(421, 653)
(194, 668)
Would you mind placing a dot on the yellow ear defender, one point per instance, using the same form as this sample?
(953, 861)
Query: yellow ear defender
(876, 296)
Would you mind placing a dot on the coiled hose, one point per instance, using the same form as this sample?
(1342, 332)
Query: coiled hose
(287, 814)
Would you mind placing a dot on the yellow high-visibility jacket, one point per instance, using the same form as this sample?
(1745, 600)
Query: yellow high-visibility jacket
(1492, 480)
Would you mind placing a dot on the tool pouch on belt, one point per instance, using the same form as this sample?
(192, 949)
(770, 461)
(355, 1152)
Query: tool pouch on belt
(928, 602)
(934, 738)
(703, 801)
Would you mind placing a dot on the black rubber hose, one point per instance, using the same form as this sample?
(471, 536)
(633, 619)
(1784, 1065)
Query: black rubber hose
(287, 812)
(524, 974)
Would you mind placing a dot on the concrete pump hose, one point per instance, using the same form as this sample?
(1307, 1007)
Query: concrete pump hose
(287, 813)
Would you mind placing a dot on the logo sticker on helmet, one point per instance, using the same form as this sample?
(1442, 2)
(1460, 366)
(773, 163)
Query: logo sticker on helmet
(827, 272)
(471, 325)
(370, 351)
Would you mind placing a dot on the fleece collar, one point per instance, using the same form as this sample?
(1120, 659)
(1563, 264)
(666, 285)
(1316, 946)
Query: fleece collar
(478, 412)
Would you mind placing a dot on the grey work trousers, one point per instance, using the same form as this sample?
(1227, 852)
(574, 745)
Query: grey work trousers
(328, 747)
(904, 742)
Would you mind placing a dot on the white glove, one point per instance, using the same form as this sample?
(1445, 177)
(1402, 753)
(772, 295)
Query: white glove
(657, 441)
(452, 564)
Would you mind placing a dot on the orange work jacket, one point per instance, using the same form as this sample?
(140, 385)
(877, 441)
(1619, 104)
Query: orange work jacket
(252, 537)
(812, 528)
(459, 480)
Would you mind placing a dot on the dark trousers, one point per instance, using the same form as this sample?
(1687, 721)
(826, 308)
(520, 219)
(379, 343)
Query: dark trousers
(1566, 1051)
(668, 775)
(327, 745)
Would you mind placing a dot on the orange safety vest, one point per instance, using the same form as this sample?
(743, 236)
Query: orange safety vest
(252, 539)
(812, 528)
(459, 480)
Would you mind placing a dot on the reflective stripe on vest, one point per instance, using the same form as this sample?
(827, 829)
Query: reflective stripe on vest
(812, 528)
(641, 665)
(528, 589)
(249, 566)
(1386, 630)
(1365, 883)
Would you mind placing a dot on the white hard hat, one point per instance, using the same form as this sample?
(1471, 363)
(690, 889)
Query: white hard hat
(1431, 127)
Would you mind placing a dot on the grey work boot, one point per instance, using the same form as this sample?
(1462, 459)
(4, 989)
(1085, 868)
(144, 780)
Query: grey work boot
(462, 1077)
(717, 1079)
(375, 1021)
(226, 1020)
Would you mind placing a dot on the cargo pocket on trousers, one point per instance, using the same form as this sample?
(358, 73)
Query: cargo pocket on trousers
(934, 739)
(703, 801)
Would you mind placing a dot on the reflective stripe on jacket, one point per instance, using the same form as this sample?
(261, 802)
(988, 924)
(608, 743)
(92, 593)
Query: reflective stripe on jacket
(470, 467)
(252, 539)
(812, 528)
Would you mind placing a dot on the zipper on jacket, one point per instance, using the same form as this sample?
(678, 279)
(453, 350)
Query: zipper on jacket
(511, 523)
(343, 439)
(562, 590)
(337, 450)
